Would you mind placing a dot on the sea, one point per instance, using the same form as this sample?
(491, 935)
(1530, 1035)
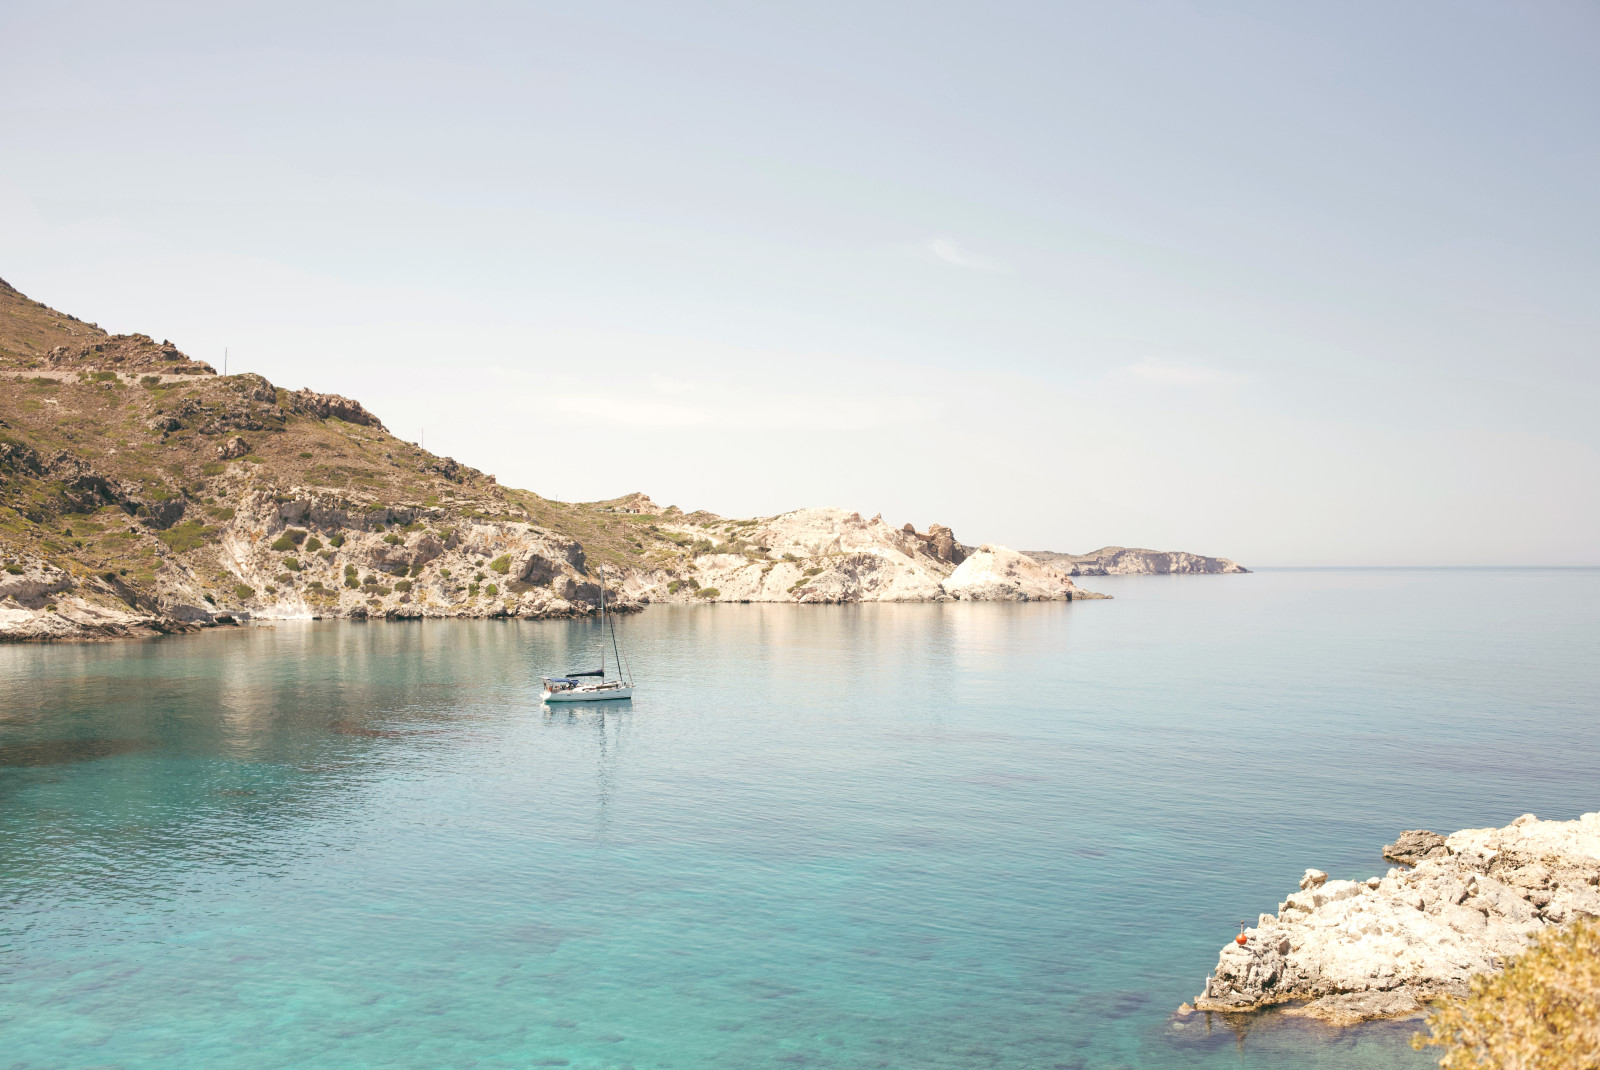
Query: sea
(906, 836)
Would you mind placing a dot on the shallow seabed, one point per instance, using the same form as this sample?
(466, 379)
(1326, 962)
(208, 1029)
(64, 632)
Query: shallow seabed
(865, 836)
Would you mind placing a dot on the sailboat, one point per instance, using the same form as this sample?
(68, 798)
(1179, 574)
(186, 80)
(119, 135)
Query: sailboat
(592, 686)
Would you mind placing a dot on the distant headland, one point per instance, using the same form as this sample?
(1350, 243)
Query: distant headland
(141, 493)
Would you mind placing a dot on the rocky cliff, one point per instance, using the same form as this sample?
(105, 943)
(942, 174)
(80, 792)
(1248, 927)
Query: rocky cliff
(140, 493)
(1382, 946)
(1130, 561)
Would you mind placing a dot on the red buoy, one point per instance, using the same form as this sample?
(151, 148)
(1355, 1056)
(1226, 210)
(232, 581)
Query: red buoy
(1241, 939)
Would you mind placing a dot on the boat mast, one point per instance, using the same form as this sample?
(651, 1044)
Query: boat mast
(602, 622)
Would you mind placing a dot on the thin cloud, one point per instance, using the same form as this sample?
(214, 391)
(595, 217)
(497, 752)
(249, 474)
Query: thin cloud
(950, 253)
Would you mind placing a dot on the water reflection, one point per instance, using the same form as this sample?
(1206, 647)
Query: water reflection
(935, 836)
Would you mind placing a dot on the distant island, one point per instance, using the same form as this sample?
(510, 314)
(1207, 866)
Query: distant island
(142, 493)
(1128, 561)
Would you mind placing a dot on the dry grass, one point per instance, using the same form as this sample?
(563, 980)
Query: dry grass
(156, 439)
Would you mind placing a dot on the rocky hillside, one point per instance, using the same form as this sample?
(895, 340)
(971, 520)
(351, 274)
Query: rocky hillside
(140, 492)
(1129, 561)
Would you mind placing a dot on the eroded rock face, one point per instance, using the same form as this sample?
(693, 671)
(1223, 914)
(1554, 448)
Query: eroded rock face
(28, 581)
(833, 556)
(324, 406)
(127, 353)
(1380, 946)
(1413, 845)
(398, 563)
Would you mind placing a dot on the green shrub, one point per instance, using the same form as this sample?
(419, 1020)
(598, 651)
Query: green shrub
(416, 569)
(392, 539)
(243, 591)
(336, 540)
(472, 590)
(501, 564)
(283, 578)
(707, 592)
(350, 570)
(180, 538)
(291, 538)
(675, 586)
(404, 586)
(148, 381)
(292, 564)
(491, 590)
(315, 585)
(813, 571)
(305, 456)
(352, 583)
(210, 598)
(313, 544)
(15, 570)
(1542, 1012)
(445, 573)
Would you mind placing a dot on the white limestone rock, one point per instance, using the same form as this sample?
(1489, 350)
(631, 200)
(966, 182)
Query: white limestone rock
(831, 556)
(1000, 574)
(1413, 934)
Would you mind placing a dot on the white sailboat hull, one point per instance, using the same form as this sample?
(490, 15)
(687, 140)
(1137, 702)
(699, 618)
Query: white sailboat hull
(597, 693)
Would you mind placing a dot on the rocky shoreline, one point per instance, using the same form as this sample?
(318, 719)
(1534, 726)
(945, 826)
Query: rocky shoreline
(1383, 947)
(305, 555)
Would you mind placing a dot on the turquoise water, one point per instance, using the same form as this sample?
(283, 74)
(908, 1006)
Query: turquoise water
(868, 836)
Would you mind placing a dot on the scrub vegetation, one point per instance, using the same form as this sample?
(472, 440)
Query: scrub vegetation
(1542, 1012)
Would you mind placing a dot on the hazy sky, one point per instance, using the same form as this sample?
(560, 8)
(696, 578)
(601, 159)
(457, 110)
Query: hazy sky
(1290, 283)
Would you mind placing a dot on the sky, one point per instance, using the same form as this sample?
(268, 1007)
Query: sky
(1295, 284)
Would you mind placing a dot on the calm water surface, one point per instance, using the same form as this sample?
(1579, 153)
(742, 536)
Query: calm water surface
(870, 836)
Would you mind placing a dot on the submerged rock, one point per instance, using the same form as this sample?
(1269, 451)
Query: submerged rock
(1382, 946)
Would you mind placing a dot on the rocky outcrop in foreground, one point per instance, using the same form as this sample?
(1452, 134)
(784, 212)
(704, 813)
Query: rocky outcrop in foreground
(1130, 561)
(1383, 946)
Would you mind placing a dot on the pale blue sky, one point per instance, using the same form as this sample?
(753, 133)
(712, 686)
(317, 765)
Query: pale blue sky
(1289, 283)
